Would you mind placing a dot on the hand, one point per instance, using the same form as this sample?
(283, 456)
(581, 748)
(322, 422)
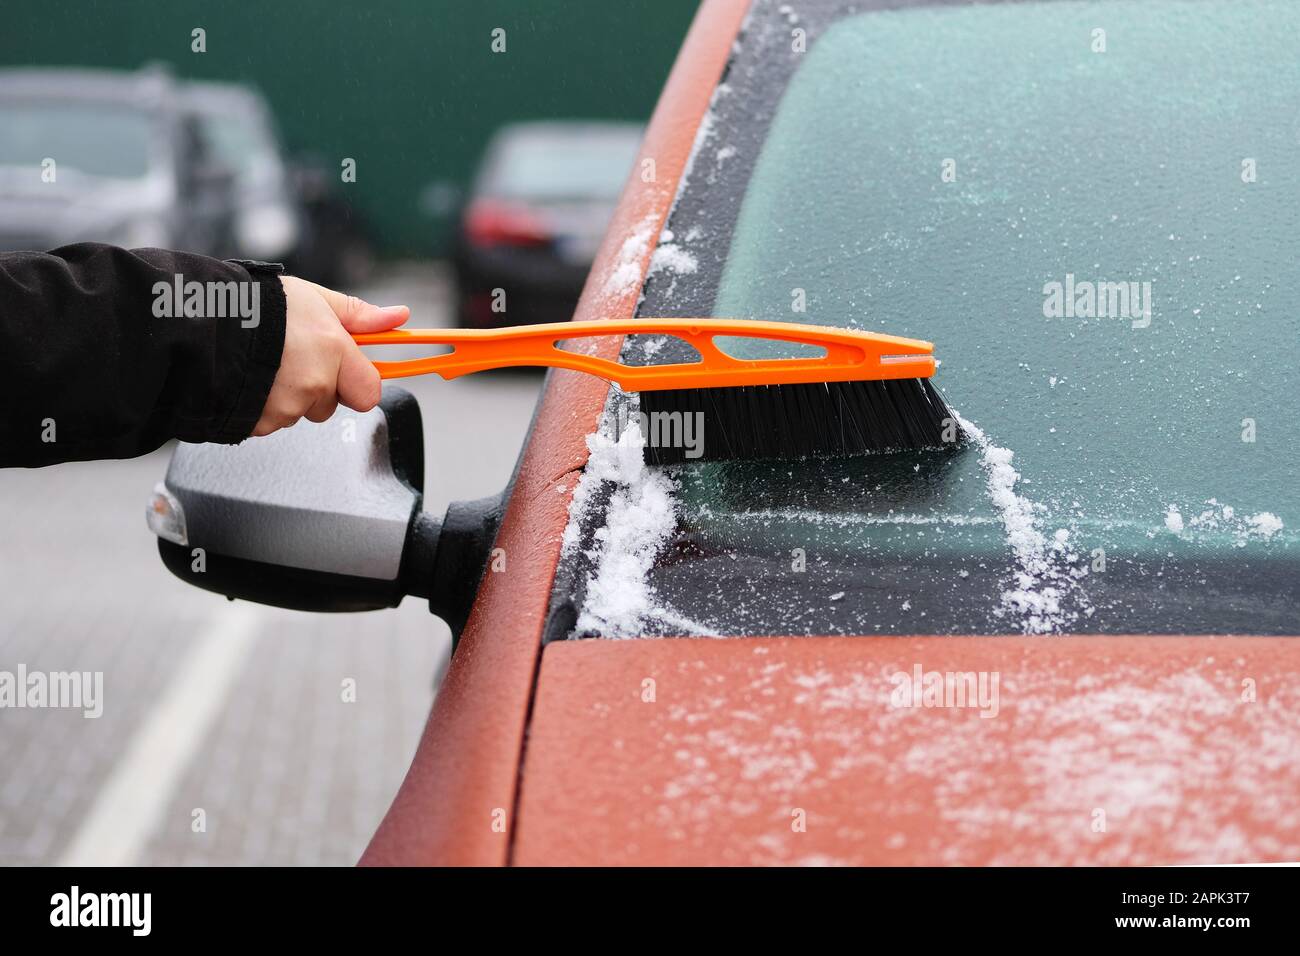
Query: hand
(321, 365)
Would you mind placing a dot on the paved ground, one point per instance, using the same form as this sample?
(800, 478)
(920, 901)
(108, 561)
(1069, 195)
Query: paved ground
(226, 735)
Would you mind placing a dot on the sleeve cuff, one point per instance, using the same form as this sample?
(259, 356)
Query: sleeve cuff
(263, 360)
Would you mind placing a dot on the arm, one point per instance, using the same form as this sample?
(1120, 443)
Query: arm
(100, 357)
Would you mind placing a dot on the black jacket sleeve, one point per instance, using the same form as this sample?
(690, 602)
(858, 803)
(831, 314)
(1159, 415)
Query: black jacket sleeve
(101, 358)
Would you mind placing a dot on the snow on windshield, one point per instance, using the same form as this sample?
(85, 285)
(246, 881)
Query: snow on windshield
(1098, 262)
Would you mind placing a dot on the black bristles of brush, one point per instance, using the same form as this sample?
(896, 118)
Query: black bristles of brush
(820, 420)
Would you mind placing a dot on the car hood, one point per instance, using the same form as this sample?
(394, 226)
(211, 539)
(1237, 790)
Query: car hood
(1070, 751)
(71, 209)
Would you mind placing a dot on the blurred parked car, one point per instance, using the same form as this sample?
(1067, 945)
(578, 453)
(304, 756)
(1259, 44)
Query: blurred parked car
(110, 157)
(336, 248)
(538, 209)
(236, 127)
(285, 210)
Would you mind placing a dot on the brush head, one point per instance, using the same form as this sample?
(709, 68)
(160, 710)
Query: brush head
(819, 419)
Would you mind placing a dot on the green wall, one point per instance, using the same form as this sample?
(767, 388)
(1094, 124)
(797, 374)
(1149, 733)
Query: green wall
(410, 88)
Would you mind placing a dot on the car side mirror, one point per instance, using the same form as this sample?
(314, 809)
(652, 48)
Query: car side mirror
(310, 180)
(323, 517)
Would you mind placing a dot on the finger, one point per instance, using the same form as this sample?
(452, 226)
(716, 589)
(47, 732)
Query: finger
(273, 423)
(373, 318)
(359, 383)
(322, 410)
(358, 315)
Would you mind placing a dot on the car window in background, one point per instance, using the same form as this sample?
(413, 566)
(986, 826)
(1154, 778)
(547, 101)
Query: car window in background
(92, 138)
(244, 144)
(1137, 467)
(553, 162)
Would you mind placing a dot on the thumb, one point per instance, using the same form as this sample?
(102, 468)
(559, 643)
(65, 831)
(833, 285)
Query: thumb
(357, 315)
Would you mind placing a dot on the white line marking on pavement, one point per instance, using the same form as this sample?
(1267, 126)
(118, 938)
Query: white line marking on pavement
(141, 784)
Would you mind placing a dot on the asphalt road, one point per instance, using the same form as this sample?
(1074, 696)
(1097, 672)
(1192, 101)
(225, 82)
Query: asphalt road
(230, 733)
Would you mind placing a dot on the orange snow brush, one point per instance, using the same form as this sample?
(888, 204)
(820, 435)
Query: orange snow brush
(867, 392)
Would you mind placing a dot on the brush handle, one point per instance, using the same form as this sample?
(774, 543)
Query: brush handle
(850, 354)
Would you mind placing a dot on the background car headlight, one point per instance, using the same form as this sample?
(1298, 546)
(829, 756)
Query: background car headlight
(266, 232)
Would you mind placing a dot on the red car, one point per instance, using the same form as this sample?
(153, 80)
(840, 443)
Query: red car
(1064, 643)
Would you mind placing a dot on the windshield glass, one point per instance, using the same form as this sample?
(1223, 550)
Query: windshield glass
(243, 143)
(96, 139)
(1095, 232)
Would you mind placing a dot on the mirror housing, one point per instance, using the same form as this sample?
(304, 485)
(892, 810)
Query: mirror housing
(323, 517)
